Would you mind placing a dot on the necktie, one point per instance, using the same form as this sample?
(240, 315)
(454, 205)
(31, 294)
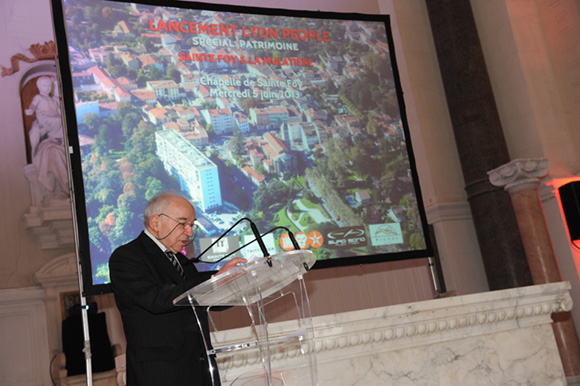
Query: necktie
(171, 256)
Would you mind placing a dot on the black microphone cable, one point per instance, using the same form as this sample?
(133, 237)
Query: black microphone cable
(258, 239)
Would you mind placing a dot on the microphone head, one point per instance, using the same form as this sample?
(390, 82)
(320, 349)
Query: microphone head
(294, 242)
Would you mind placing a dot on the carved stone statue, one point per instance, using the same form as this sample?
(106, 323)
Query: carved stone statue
(46, 140)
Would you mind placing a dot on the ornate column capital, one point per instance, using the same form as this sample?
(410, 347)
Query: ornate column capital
(519, 174)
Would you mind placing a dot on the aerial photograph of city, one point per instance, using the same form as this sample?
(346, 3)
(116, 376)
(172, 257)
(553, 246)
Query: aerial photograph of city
(296, 123)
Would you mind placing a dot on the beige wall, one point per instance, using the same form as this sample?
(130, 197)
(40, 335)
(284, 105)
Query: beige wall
(433, 141)
(532, 53)
(21, 255)
(529, 95)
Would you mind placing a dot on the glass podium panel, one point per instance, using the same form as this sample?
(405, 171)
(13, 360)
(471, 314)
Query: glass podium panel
(256, 285)
(236, 287)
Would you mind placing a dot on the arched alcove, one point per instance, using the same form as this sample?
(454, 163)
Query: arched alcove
(28, 90)
(59, 279)
(50, 216)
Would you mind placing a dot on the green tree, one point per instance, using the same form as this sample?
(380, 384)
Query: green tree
(142, 78)
(359, 159)
(99, 240)
(173, 74)
(210, 132)
(372, 124)
(117, 71)
(103, 142)
(331, 87)
(143, 139)
(105, 196)
(238, 143)
(91, 122)
(129, 209)
(417, 241)
(146, 43)
(153, 72)
(377, 65)
(249, 103)
(130, 124)
(152, 188)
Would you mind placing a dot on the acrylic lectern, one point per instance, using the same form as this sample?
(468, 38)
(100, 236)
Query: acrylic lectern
(256, 285)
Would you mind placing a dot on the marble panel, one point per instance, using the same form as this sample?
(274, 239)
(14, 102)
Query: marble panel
(493, 338)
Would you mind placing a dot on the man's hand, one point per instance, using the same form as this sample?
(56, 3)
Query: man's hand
(233, 263)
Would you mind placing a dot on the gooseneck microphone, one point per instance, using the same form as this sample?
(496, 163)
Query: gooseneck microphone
(290, 235)
(259, 239)
(257, 236)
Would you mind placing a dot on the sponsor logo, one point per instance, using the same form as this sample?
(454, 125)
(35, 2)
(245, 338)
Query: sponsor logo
(220, 249)
(313, 239)
(252, 248)
(348, 237)
(222, 246)
(286, 243)
(385, 234)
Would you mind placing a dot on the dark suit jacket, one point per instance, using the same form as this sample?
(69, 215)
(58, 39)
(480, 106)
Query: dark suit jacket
(164, 346)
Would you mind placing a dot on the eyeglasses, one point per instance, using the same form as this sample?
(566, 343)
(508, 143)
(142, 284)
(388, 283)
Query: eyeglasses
(183, 225)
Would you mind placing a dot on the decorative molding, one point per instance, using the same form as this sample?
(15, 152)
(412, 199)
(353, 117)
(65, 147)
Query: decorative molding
(46, 51)
(24, 351)
(60, 271)
(449, 211)
(20, 296)
(52, 224)
(414, 326)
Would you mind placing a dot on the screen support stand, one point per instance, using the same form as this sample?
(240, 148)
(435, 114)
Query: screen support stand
(84, 307)
(434, 277)
(85, 318)
(212, 370)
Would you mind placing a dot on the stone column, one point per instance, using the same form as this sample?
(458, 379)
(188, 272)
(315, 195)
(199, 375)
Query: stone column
(479, 139)
(520, 178)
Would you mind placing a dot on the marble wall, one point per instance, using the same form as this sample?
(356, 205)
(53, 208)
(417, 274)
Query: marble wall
(494, 338)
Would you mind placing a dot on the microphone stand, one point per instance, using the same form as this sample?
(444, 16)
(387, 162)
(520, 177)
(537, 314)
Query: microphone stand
(257, 236)
(290, 235)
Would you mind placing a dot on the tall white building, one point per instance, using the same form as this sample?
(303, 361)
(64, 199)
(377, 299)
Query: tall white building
(196, 174)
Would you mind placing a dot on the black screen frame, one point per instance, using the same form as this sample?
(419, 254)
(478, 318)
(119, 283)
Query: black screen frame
(72, 134)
